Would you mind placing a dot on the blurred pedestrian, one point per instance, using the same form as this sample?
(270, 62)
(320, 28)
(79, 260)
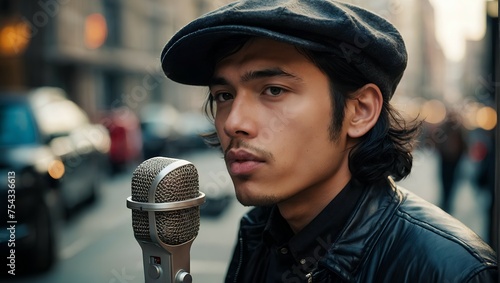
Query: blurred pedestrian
(485, 180)
(299, 93)
(451, 146)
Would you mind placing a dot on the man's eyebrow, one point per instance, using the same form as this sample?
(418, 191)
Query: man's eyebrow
(253, 75)
(267, 73)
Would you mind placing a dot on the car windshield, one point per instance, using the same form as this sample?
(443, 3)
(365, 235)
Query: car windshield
(16, 125)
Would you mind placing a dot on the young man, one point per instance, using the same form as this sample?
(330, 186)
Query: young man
(300, 95)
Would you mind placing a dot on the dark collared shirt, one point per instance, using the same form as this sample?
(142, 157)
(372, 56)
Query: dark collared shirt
(287, 257)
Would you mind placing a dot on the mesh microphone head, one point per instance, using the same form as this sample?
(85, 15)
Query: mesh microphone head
(173, 227)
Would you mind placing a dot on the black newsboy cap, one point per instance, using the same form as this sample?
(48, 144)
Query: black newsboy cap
(365, 40)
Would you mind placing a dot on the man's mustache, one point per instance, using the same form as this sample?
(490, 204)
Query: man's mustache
(241, 144)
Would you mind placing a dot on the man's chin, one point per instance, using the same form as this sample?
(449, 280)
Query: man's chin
(256, 200)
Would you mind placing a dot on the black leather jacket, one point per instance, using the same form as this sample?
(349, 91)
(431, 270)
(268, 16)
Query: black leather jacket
(393, 236)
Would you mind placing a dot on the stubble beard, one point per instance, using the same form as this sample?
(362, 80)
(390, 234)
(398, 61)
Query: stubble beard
(259, 200)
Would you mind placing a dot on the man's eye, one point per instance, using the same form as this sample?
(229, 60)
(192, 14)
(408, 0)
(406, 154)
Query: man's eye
(223, 96)
(273, 91)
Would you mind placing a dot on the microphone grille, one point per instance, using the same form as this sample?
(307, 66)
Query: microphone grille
(173, 227)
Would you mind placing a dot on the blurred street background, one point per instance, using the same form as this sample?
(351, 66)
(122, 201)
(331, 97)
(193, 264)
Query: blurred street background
(83, 101)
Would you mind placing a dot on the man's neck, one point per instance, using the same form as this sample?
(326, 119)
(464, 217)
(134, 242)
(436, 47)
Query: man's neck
(302, 208)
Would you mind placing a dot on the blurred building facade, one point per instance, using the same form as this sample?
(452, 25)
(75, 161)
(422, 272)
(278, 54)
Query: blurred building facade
(104, 54)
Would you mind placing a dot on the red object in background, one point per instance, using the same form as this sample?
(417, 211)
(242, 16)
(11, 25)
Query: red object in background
(478, 151)
(126, 138)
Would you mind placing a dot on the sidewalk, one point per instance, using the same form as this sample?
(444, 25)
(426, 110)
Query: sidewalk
(470, 205)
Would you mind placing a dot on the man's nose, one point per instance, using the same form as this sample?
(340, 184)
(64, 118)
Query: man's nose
(242, 117)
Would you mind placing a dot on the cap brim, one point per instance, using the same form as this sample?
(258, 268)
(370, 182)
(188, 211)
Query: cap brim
(189, 59)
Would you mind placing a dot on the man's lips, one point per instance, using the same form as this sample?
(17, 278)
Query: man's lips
(241, 162)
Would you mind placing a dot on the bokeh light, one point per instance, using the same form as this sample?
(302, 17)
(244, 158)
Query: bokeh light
(486, 118)
(433, 111)
(56, 169)
(96, 31)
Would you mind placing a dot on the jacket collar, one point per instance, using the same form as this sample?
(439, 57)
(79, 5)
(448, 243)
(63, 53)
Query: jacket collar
(361, 232)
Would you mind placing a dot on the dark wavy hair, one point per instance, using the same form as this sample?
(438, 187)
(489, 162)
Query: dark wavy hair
(383, 151)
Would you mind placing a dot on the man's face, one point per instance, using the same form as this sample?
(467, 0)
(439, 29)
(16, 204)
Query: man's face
(273, 113)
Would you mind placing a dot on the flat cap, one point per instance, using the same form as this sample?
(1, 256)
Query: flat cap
(365, 40)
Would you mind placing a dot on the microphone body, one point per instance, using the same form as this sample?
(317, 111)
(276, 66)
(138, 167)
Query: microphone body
(165, 217)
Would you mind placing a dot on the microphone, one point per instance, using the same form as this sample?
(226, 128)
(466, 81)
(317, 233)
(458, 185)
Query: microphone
(165, 204)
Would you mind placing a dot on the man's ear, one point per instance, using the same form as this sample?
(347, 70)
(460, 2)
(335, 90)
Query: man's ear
(363, 110)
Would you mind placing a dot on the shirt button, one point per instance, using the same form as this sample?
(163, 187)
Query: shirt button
(284, 251)
(303, 261)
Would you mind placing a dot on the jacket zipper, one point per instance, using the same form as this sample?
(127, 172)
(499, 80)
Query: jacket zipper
(240, 261)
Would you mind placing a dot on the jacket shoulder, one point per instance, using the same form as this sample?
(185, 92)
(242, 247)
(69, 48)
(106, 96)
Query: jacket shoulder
(420, 216)
(395, 235)
(436, 242)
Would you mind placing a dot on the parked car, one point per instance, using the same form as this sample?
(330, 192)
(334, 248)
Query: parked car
(189, 128)
(54, 156)
(158, 130)
(168, 132)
